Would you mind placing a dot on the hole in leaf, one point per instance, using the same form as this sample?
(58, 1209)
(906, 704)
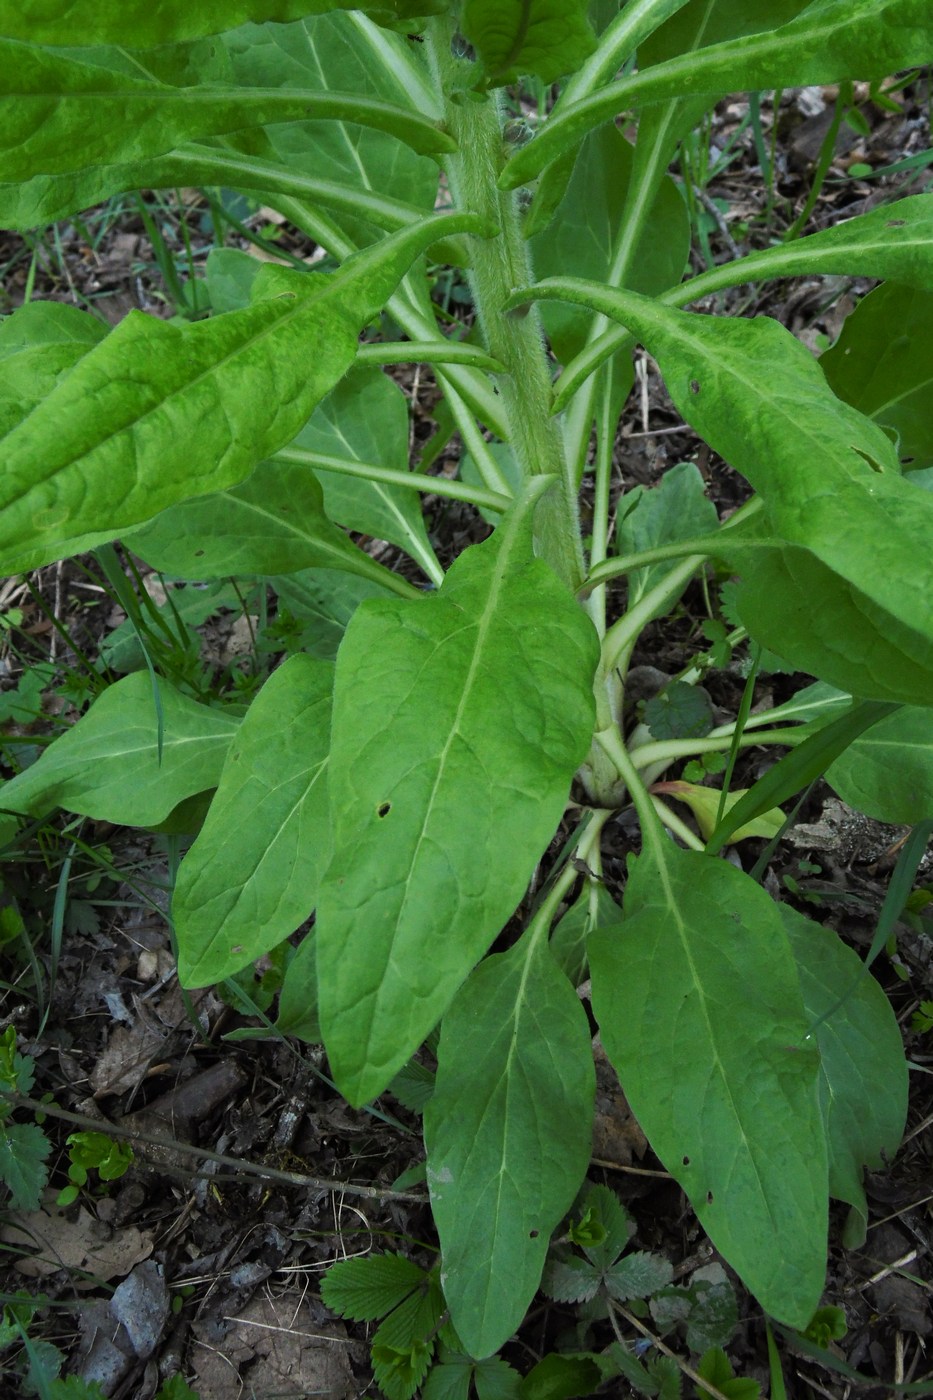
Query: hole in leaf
(896, 223)
(533, 1234)
(866, 457)
(709, 1198)
(694, 386)
(383, 809)
(686, 1161)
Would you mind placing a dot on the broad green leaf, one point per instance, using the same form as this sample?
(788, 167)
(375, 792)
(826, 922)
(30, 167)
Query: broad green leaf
(205, 402)
(459, 721)
(841, 525)
(48, 323)
(699, 1007)
(321, 602)
(508, 1132)
(559, 1376)
(230, 274)
(848, 638)
(332, 54)
(863, 1072)
(893, 241)
(705, 1308)
(251, 876)
(274, 522)
(107, 764)
(39, 344)
(495, 1379)
(568, 1278)
(141, 23)
(638, 1275)
(365, 419)
(585, 233)
(513, 38)
(366, 178)
(369, 1288)
(449, 1380)
(704, 804)
(882, 363)
(676, 509)
(829, 40)
(24, 1148)
(59, 114)
(888, 772)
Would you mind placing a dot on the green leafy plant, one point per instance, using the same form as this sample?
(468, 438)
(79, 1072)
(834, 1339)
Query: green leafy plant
(24, 1147)
(93, 1152)
(826, 1325)
(405, 771)
(416, 1344)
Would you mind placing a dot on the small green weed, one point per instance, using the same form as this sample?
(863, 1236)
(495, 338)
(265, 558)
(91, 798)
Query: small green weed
(93, 1152)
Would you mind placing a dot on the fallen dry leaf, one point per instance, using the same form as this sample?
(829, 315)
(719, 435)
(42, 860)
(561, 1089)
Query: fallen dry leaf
(54, 1239)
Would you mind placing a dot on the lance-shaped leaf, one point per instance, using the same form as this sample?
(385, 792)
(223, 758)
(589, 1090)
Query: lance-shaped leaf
(140, 23)
(272, 523)
(830, 40)
(108, 765)
(516, 37)
(158, 413)
(459, 721)
(508, 1131)
(46, 198)
(700, 1011)
(251, 876)
(888, 772)
(60, 114)
(863, 1072)
(836, 577)
(894, 241)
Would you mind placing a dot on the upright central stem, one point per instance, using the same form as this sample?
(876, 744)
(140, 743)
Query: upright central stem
(500, 264)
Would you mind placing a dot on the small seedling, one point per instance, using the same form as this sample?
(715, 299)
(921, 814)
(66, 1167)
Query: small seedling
(91, 1151)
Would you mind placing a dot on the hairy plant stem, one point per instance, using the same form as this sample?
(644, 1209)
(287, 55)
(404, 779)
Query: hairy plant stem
(500, 264)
